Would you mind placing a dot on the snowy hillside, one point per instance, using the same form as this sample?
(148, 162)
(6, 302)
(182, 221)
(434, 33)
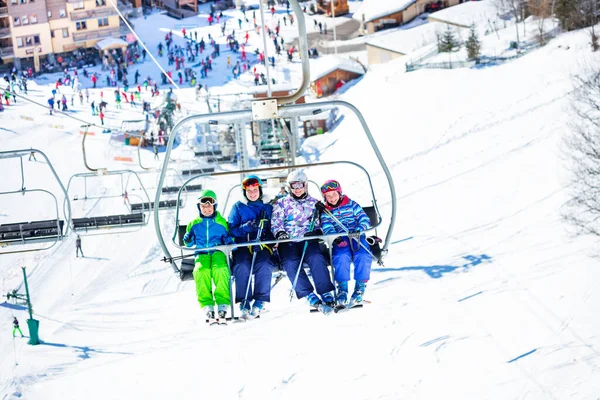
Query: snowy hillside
(484, 294)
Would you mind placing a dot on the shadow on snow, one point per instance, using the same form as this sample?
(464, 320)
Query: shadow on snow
(438, 271)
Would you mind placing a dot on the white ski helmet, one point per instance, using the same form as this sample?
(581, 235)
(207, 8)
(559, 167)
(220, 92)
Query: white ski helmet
(297, 176)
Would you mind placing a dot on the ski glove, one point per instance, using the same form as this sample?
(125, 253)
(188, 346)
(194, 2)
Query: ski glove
(316, 232)
(339, 242)
(282, 235)
(320, 206)
(354, 235)
(250, 226)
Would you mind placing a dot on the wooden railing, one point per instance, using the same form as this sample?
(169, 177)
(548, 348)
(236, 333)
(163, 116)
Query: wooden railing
(91, 14)
(7, 51)
(83, 36)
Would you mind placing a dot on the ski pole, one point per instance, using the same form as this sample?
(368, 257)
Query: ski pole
(258, 235)
(310, 229)
(333, 217)
(298, 272)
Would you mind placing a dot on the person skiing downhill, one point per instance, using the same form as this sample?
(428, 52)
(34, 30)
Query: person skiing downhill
(347, 248)
(210, 229)
(249, 221)
(295, 217)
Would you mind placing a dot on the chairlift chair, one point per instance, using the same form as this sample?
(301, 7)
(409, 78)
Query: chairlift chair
(134, 220)
(266, 109)
(27, 235)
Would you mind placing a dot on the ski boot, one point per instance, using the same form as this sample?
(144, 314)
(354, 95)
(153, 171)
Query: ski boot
(328, 299)
(342, 294)
(244, 310)
(222, 314)
(256, 309)
(210, 315)
(314, 301)
(357, 296)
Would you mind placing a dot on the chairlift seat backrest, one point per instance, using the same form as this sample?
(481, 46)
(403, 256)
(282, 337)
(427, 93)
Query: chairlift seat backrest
(198, 171)
(175, 189)
(208, 153)
(161, 205)
(31, 230)
(108, 221)
(372, 213)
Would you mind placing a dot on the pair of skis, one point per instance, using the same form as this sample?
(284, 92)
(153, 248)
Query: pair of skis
(340, 308)
(217, 321)
(224, 321)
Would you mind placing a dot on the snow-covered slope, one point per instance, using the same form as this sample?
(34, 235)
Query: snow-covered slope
(484, 295)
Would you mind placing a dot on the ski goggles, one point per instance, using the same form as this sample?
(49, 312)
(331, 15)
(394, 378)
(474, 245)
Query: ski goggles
(298, 185)
(329, 186)
(207, 201)
(250, 182)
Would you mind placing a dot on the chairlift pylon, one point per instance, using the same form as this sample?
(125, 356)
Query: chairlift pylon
(42, 231)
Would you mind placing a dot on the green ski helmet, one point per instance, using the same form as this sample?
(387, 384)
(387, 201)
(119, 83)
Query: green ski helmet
(207, 196)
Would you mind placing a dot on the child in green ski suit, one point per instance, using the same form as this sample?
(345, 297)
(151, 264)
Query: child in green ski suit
(16, 327)
(208, 230)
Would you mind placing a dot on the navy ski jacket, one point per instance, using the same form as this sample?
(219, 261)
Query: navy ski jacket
(244, 211)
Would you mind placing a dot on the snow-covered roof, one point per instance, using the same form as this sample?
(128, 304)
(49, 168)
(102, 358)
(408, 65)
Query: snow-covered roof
(466, 14)
(324, 65)
(110, 43)
(405, 41)
(134, 126)
(373, 9)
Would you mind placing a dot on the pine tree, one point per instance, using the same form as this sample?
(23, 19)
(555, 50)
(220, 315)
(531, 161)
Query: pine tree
(472, 44)
(448, 42)
(562, 10)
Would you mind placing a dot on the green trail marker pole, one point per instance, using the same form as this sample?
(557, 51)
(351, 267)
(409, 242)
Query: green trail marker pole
(32, 324)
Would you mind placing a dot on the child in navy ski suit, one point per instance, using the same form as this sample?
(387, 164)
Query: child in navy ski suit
(346, 249)
(249, 221)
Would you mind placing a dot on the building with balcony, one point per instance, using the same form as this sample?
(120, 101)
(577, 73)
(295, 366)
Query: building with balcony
(53, 27)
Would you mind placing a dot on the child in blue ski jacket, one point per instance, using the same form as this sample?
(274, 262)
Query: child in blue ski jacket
(339, 209)
(210, 229)
(249, 221)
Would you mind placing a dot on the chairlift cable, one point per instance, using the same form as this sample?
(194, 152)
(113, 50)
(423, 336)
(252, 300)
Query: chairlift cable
(142, 43)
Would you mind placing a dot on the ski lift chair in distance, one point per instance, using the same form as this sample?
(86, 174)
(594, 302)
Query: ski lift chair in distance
(117, 223)
(132, 221)
(27, 236)
(265, 109)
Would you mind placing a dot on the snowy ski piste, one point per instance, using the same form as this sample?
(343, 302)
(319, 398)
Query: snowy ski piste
(485, 293)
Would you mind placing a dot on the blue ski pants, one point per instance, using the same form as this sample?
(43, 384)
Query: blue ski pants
(262, 270)
(290, 254)
(344, 256)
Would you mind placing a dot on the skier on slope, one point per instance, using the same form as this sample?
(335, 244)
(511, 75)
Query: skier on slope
(207, 230)
(346, 249)
(78, 247)
(16, 327)
(292, 216)
(247, 219)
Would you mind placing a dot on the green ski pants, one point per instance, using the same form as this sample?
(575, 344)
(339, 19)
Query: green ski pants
(209, 268)
(15, 329)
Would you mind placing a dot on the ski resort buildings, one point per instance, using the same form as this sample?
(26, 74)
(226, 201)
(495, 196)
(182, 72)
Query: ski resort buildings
(33, 29)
